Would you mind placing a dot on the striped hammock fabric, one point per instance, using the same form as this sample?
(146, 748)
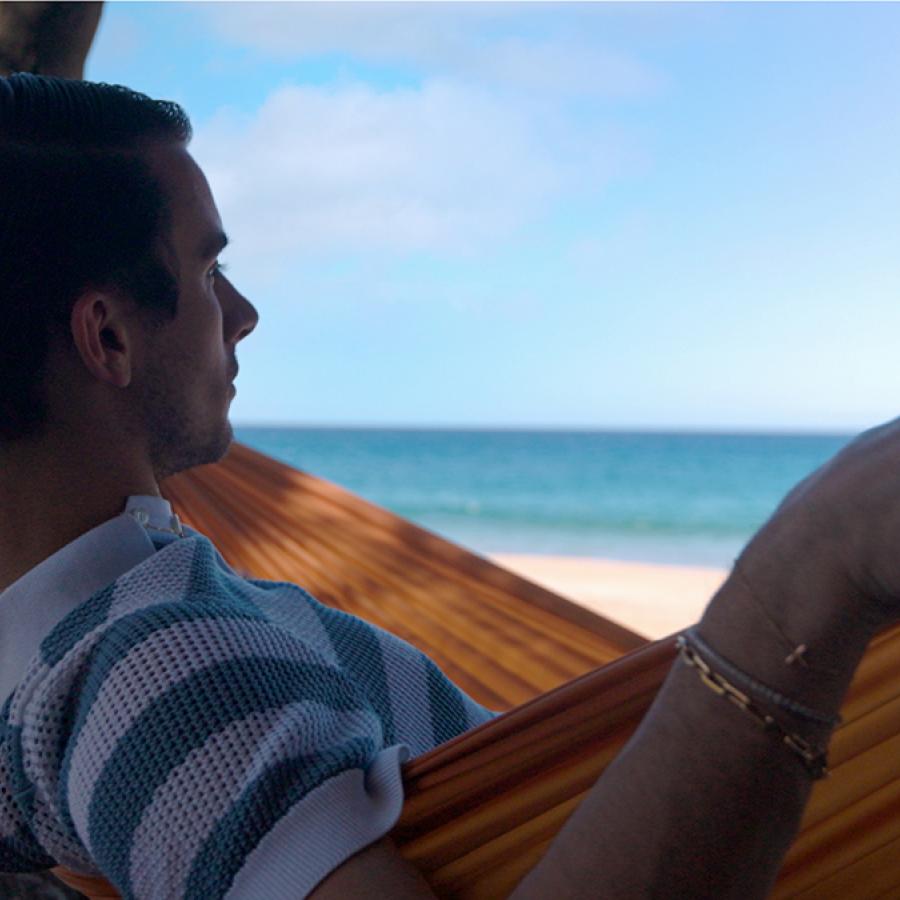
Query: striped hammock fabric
(481, 810)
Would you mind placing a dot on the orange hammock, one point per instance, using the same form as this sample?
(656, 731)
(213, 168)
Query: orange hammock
(480, 810)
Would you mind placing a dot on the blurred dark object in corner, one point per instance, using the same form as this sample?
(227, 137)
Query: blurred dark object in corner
(36, 886)
(47, 38)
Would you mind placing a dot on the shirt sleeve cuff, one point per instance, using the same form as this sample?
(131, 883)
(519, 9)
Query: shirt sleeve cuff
(331, 823)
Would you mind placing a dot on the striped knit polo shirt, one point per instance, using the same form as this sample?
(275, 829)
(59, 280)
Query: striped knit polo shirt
(185, 731)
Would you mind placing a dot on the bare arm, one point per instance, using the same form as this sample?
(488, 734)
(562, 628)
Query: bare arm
(379, 870)
(702, 802)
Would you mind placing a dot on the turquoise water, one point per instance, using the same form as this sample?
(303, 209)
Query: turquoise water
(679, 498)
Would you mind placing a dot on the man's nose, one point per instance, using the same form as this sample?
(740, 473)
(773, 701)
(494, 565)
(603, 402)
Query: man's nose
(241, 315)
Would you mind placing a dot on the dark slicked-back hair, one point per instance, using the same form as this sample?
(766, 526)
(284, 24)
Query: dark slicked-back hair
(79, 208)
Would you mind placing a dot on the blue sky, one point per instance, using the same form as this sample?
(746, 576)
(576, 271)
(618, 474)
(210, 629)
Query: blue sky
(592, 215)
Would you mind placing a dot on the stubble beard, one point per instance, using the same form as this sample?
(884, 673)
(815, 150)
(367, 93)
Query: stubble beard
(177, 438)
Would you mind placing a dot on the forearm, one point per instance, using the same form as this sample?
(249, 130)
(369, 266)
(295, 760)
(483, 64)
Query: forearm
(703, 802)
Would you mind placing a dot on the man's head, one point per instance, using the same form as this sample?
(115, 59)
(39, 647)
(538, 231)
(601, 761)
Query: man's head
(113, 313)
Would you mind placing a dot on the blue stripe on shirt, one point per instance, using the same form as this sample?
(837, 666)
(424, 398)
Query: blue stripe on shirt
(183, 719)
(77, 625)
(359, 651)
(121, 638)
(260, 807)
(23, 790)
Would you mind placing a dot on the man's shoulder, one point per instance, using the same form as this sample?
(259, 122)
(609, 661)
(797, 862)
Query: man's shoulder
(181, 582)
(155, 641)
(182, 607)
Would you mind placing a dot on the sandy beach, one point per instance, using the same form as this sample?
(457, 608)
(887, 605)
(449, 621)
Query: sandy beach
(653, 600)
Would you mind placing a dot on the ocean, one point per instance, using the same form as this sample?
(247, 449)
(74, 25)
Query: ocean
(685, 498)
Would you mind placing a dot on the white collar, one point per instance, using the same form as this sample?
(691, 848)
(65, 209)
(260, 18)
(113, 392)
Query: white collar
(33, 604)
(154, 513)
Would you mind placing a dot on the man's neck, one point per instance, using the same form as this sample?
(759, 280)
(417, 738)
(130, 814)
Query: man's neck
(46, 502)
(18, 558)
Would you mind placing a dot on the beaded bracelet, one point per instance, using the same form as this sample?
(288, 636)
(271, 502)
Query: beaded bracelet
(814, 759)
(757, 687)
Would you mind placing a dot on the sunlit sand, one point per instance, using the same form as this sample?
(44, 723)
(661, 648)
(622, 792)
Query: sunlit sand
(653, 600)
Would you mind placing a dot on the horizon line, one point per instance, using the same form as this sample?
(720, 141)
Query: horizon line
(563, 429)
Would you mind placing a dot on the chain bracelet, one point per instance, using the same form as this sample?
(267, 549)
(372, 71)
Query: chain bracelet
(813, 758)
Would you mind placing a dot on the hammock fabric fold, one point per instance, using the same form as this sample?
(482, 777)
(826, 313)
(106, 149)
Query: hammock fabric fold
(481, 810)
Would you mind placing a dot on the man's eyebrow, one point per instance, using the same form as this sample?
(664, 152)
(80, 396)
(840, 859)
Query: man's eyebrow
(213, 244)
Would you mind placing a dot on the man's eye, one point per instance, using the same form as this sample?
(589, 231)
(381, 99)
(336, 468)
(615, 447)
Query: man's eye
(217, 269)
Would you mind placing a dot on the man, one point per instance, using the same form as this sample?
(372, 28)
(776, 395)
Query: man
(186, 732)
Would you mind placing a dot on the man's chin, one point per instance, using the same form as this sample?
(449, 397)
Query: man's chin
(192, 457)
(220, 448)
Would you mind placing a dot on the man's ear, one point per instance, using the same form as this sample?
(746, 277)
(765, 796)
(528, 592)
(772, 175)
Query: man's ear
(105, 335)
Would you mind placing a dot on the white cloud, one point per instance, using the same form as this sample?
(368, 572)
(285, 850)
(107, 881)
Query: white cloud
(568, 68)
(531, 46)
(446, 168)
(417, 32)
